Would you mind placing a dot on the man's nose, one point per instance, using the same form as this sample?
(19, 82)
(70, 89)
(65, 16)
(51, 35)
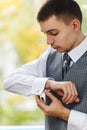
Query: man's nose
(50, 41)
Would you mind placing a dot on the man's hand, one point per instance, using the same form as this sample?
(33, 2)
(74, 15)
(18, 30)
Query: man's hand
(55, 108)
(65, 89)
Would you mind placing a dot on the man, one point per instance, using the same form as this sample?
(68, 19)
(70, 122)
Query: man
(65, 89)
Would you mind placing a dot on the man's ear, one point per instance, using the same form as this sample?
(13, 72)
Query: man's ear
(76, 24)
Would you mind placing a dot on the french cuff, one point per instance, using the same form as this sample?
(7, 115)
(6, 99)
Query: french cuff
(76, 120)
(38, 86)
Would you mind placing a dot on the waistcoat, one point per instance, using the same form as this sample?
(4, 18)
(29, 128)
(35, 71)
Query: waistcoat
(78, 75)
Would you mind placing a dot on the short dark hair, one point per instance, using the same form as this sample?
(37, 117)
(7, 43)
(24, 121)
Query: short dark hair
(64, 9)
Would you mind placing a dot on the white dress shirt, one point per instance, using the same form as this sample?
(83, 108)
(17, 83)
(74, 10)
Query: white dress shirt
(31, 78)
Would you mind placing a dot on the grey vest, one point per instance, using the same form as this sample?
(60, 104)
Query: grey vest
(77, 74)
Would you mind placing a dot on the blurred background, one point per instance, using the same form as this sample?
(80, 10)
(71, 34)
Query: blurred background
(20, 42)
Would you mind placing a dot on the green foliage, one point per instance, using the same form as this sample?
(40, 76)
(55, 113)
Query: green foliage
(27, 43)
(13, 116)
(18, 26)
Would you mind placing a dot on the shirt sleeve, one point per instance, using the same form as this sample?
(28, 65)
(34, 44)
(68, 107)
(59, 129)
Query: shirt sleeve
(77, 121)
(30, 78)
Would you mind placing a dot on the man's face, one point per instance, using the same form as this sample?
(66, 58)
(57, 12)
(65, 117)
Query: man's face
(60, 36)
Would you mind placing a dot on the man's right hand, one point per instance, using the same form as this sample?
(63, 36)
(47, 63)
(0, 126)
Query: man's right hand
(67, 90)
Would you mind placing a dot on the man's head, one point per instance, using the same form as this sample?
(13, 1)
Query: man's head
(63, 9)
(61, 21)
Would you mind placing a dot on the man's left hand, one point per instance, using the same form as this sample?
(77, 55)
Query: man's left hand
(55, 108)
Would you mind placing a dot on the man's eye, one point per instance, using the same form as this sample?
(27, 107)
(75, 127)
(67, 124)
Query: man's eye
(54, 34)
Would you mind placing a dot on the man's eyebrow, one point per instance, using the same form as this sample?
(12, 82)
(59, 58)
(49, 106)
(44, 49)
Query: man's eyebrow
(49, 30)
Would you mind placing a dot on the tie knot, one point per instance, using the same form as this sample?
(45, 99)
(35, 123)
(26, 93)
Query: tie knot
(66, 58)
(66, 64)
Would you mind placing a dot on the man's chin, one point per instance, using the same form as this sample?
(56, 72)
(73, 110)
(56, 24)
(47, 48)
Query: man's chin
(59, 50)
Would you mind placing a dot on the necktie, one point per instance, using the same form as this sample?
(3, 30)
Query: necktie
(66, 63)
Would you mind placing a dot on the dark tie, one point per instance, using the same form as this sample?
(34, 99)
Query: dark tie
(66, 63)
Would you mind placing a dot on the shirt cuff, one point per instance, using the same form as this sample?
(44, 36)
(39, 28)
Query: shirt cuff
(76, 120)
(38, 86)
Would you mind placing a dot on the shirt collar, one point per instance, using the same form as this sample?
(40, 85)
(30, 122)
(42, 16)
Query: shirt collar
(78, 51)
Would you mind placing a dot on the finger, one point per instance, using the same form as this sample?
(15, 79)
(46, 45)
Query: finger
(39, 99)
(76, 99)
(50, 95)
(73, 95)
(65, 91)
(74, 92)
(41, 104)
(68, 93)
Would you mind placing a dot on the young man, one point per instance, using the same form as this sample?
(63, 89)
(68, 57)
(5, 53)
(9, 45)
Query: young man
(65, 107)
